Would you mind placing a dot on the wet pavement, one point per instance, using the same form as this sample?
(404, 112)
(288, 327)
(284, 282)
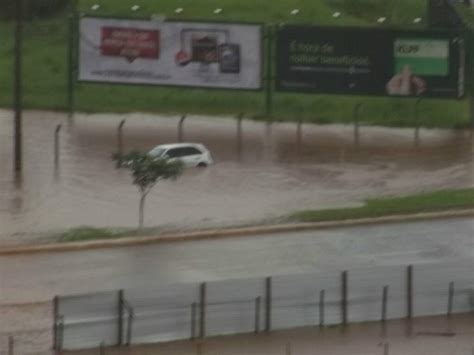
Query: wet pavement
(437, 245)
(270, 176)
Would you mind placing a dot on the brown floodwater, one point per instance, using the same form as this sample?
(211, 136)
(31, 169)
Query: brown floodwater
(271, 176)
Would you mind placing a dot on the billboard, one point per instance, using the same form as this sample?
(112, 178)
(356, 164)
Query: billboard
(361, 61)
(196, 54)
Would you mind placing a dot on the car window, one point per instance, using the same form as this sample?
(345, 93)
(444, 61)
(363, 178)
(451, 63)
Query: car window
(157, 152)
(192, 151)
(173, 153)
(182, 152)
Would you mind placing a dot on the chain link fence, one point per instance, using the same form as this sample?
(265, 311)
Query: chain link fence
(197, 311)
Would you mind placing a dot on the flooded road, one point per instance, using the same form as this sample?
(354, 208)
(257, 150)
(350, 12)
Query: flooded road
(272, 175)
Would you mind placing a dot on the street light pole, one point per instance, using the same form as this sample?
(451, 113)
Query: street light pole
(18, 86)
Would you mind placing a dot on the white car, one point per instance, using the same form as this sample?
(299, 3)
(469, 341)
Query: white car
(191, 154)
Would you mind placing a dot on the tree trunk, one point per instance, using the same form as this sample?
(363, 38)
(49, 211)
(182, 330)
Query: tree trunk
(141, 211)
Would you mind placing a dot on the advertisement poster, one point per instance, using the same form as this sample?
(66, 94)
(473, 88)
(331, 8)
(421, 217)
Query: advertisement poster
(362, 61)
(195, 54)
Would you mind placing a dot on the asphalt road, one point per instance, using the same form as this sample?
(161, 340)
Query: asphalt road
(39, 277)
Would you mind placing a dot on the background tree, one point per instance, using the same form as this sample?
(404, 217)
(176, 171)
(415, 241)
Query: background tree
(147, 172)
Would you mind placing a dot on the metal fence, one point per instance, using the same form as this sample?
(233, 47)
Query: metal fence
(176, 312)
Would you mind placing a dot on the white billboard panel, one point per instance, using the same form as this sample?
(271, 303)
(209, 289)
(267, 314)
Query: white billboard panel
(213, 55)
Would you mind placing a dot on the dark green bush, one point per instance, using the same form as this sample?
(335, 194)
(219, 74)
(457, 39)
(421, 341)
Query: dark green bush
(32, 8)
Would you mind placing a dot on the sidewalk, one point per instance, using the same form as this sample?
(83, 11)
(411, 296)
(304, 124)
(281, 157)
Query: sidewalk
(429, 336)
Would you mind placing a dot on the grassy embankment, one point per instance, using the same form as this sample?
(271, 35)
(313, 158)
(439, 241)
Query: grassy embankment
(427, 202)
(45, 65)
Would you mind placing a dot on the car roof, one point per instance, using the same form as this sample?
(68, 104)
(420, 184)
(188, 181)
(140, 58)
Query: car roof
(178, 145)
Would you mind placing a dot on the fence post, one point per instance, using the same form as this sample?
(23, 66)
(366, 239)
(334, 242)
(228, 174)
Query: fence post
(356, 123)
(410, 292)
(322, 295)
(102, 348)
(417, 122)
(409, 299)
(202, 326)
(131, 315)
(56, 146)
(11, 345)
(268, 304)
(384, 310)
(384, 303)
(55, 322)
(199, 349)
(193, 320)
(120, 310)
(180, 128)
(257, 314)
(299, 136)
(239, 135)
(450, 299)
(344, 291)
(120, 143)
(386, 349)
(60, 333)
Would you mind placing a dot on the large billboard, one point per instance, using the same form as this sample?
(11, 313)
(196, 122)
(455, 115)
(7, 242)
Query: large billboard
(360, 61)
(214, 55)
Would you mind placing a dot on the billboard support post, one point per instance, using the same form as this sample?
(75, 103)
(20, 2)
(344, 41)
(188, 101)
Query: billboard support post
(71, 54)
(70, 79)
(18, 93)
(269, 75)
(470, 79)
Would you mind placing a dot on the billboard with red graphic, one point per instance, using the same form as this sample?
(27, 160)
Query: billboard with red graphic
(215, 55)
(130, 43)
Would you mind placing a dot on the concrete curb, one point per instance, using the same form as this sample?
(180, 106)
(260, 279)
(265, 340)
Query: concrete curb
(228, 233)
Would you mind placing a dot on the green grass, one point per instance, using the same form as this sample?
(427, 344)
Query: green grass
(45, 66)
(425, 202)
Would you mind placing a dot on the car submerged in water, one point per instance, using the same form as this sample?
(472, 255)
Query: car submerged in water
(190, 154)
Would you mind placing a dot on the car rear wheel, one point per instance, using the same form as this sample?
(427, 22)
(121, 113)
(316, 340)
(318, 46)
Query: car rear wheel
(202, 165)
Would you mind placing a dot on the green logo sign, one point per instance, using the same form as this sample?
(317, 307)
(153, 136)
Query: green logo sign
(423, 56)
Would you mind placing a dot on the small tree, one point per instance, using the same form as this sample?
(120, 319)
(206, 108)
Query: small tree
(147, 171)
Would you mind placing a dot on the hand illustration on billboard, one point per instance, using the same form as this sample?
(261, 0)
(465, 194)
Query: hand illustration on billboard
(406, 84)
